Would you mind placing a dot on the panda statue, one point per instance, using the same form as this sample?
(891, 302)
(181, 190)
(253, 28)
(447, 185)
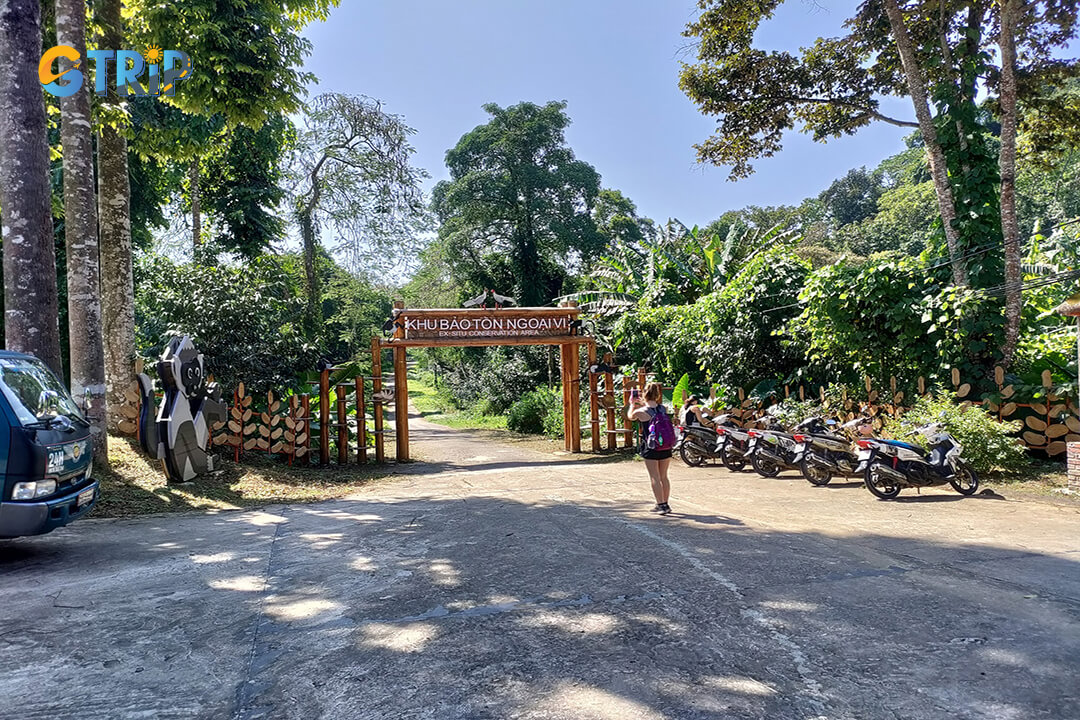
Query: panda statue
(179, 434)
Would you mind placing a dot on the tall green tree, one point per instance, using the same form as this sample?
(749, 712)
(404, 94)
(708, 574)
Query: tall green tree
(351, 172)
(518, 206)
(30, 298)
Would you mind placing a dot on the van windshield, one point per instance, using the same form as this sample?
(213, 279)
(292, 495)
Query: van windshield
(35, 394)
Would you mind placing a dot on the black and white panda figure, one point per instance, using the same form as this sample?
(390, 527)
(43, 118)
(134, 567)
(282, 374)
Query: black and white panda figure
(189, 409)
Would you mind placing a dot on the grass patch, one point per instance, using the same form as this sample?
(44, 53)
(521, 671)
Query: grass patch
(135, 484)
(438, 406)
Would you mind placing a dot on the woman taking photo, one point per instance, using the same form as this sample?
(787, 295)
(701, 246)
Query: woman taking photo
(656, 442)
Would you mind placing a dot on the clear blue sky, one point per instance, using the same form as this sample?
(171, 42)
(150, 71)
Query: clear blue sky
(615, 62)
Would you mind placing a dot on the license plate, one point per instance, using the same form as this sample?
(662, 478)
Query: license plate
(84, 497)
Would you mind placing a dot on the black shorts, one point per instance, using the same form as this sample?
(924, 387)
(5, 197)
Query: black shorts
(655, 454)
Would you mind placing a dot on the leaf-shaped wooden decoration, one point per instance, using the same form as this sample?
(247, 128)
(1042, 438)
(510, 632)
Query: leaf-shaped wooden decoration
(248, 429)
(1007, 391)
(275, 407)
(300, 412)
(131, 395)
(847, 404)
(248, 415)
(1038, 408)
(275, 421)
(1073, 423)
(289, 437)
(250, 443)
(1072, 438)
(264, 431)
(1008, 409)
(742, 394)
(892, 383)
(922, 385)
(955, 376)
(999, 375)
(126, 426)
(276, 448)
(1036, 424)
(965, 405)
(300, 451)
(221, 439)
(246, 402)
(873, 410)
(129, 411)
(234, 441)
(1056, 410)
(290, 423)
(274, 434)
(235, 426)
(269, 397)
(262, 444)
(1056, 448)
(265, 418)
(1056, 430)
(866, 381)
(237, 413)
(873, 396)
(802, 393)
(1034, 439)
(898, 398)
(219, 425)
(963, 390)
(1047, 378)
(992, 407)
(240, 390)
(301, 438)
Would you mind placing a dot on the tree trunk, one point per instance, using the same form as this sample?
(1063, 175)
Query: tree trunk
(938, 169)
(114, 211)
(81, 235)
(307, 234)
(196, 208)
(30, 302)
(1010, 228)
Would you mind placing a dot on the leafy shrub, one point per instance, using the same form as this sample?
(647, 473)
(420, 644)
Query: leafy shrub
(793, 411)
(988, 444)
(530, 414)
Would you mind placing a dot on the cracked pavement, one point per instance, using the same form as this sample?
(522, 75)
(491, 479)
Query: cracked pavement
(494, 581)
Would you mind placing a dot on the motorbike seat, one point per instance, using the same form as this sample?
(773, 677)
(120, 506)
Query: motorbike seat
(905, 445)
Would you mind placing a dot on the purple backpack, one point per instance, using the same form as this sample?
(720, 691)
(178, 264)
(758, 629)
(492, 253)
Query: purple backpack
(661, 433)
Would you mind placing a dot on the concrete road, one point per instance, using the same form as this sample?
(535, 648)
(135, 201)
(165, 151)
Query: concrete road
(497, 582)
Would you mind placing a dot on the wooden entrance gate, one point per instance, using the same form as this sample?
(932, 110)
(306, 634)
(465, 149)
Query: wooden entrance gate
(472, 327)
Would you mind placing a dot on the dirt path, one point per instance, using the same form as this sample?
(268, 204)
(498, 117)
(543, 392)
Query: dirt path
(496, 581)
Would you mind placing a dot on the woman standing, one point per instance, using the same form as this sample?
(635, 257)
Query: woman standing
(656, 459)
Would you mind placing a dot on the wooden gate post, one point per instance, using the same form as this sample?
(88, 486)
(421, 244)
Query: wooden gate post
(628, 426)
(594, 404)
(609, 405)
(376, 386)
(324, 417)
(575, 396)
(564, 366)
(401, 393)
(361, 422)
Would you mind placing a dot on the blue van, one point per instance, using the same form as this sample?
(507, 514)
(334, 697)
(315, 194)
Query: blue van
(46, 452)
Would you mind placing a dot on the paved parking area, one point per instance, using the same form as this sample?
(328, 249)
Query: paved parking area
(498, 582)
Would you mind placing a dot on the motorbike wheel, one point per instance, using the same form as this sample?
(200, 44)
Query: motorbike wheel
(879, 484)
(765, 468)
(966, 482)
(815, 475)
(691, 455)
(733, 461)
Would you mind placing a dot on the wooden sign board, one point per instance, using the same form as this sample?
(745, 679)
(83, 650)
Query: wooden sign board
(483, 326)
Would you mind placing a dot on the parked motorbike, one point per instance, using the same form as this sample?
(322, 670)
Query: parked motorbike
(892, 465)
(697, 444)
(732, 443)
(827, 453)
(773, 450)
